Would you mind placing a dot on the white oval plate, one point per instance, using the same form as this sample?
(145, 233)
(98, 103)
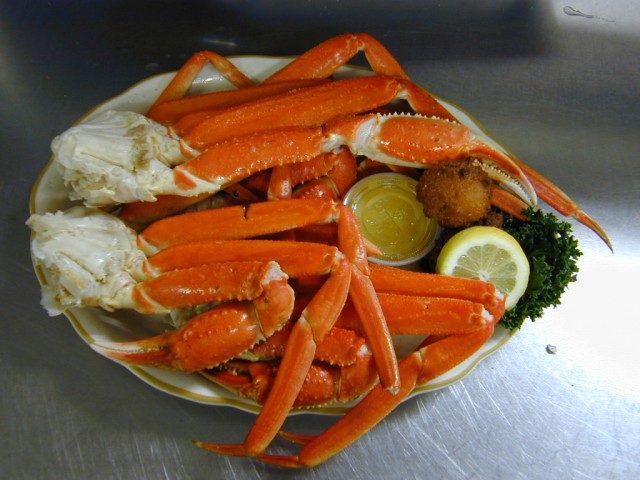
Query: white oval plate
(97, 326)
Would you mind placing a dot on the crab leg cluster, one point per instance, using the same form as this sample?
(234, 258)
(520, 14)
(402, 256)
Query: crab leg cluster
(283, 320)
(210, 145)
(202, 266)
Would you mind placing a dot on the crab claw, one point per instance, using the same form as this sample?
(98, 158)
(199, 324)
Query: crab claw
(324, 383)
(559, 200)
(216, 335)
(420, 141)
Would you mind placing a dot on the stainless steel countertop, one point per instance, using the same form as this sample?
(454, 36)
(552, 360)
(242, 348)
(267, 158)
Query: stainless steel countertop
(556, 82)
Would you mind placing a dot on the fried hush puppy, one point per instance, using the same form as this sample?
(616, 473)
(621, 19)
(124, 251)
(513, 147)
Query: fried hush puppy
(455, 194)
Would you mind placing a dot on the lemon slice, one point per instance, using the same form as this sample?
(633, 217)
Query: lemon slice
(489, 254)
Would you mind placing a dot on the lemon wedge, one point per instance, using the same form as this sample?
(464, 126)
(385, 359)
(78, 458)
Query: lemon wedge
(489, 254)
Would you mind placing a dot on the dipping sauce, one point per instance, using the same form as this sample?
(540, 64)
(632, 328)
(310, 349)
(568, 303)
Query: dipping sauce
(391, 217)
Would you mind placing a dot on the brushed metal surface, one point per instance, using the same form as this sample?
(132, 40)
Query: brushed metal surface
(556, 82)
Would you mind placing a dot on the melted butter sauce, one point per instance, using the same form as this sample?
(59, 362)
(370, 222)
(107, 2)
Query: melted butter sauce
(391, 217)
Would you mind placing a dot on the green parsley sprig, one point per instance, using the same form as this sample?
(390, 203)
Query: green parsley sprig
(552, 252)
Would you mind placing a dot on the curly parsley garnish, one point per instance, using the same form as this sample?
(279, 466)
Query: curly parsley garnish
(552, 252)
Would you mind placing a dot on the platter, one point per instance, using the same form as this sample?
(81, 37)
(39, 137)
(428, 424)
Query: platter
(96, 326)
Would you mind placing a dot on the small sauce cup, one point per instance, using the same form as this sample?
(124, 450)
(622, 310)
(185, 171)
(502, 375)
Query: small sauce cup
(391, 217)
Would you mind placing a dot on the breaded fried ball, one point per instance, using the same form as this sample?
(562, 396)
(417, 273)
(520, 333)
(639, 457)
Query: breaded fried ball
(455, 194)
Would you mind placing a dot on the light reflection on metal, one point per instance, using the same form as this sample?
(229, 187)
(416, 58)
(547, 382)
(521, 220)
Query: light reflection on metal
(220, 43)
(595, 334)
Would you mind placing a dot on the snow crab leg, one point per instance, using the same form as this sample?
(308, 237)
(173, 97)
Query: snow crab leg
(181, 82)
(327, 57)
(314, 106)
(314, 66)
(271, 217)
(405, 140)
(437, 354)
(122, 157)
(401, 140)
(219, 333)
(91, 260)
(426, 363)
(343, 367)
(168, 112)
(342, 370)
(348, 276)
(257, 220)
(559, 200)
(324, 59)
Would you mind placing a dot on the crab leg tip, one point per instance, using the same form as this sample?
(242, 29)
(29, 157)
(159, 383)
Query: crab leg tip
(393, 389)
(297, 438)
(589, 222)
(232, 449)
(238, 450)
(150, 352)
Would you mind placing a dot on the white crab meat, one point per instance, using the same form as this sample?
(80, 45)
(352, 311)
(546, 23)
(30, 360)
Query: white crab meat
(117, 157)
(89, 257)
